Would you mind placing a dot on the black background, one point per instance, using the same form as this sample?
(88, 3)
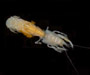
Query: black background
(20, 54)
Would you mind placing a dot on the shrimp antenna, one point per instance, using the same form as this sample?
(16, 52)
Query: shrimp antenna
(72, 63)
(81, 46)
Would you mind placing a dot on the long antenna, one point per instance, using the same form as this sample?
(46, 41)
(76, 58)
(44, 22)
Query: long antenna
(81, 46)
(72, 63)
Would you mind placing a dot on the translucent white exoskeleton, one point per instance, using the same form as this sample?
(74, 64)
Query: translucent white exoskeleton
(56, 40)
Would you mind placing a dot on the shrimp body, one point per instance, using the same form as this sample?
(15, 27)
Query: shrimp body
(54, 39)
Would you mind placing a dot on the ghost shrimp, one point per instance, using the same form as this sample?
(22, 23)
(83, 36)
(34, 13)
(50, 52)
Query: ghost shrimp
(54, 39)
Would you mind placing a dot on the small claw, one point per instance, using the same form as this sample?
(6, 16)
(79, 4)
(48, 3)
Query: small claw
(68, 44)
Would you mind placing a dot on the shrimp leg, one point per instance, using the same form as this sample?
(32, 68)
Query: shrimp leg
(60, 33)
(52, 47)
(38, 42)
(57, 48)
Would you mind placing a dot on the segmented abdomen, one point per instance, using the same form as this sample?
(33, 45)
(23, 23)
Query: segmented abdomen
(27, 28)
